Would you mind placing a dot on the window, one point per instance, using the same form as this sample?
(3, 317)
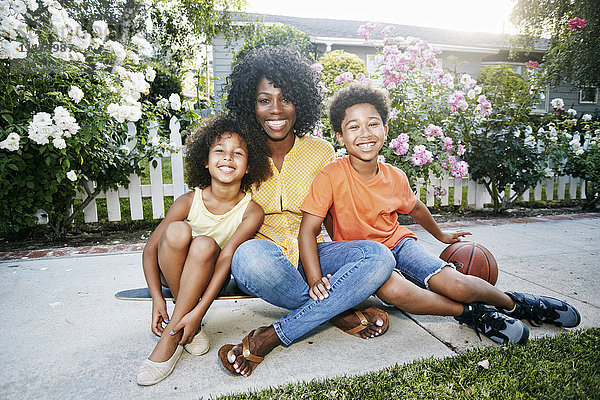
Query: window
(588, 95)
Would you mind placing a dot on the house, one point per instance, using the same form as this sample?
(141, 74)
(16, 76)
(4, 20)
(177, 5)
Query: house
(477, 49)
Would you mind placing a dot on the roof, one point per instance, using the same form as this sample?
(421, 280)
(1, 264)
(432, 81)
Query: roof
(326, 30)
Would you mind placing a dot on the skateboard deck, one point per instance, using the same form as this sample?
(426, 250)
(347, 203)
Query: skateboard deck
(231, 292)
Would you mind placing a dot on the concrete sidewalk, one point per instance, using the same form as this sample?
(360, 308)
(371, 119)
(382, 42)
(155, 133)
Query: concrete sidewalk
(65, 336)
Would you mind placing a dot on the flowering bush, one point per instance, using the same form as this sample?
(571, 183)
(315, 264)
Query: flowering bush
(572, 147)
(503, 152)
(432, 108)
(68, 95)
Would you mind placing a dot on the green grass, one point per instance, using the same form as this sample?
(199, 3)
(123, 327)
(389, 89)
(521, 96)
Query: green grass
(563, 367)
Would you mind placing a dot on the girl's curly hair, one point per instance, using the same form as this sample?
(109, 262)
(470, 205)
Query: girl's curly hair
(204, 135)
(357, 93)
(289, 71)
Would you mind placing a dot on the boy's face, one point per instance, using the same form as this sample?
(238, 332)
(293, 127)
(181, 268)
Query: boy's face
(228, 158)
(363, 132)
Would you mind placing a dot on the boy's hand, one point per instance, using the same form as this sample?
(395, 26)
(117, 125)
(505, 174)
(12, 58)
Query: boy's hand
(452, 237)
(159, 315)
(318, 290)
(190, 326)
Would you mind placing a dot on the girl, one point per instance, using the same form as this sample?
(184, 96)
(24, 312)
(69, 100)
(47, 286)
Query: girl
(191, 249)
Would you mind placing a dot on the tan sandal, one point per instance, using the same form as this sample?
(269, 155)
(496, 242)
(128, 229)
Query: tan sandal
(364, 322)
(245, 353)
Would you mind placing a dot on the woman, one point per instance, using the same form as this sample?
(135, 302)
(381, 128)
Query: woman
(276, 89)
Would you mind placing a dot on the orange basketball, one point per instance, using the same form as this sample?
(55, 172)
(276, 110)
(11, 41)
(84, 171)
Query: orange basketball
(471, 258)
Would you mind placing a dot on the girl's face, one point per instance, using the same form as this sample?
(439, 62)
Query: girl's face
(228, 159)
(274, 112)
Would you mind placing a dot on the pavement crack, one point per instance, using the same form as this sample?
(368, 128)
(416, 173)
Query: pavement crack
(445, 343)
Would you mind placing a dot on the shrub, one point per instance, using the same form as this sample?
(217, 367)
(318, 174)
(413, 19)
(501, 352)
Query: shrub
(503, 151)
(338, 62)
(68, 97)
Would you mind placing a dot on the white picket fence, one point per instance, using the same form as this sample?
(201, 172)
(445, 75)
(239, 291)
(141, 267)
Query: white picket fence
(477, 195)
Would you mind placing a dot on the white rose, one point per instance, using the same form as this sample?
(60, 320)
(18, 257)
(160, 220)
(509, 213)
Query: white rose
(59, 143)
(150, 74)
(175, 101)
(11, 143)
(100, 29)
(72, 176)
(76, 94)
(586, 117)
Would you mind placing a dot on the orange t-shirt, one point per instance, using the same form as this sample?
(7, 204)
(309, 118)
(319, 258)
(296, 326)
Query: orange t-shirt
(362, 209)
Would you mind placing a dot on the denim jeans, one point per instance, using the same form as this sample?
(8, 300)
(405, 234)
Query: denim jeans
(358, 269)
(415, 263)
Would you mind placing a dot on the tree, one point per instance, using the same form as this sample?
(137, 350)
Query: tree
(573, 28)
(261, 35)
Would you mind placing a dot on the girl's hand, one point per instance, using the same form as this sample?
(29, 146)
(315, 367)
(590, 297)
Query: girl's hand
(190, 326)
(159, 315)
(452, 237)
(318, 290)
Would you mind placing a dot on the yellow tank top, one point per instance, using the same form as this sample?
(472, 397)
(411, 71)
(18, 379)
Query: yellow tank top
(219, 227)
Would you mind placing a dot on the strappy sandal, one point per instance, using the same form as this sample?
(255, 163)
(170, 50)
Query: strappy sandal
(364, 322)
(245, 353)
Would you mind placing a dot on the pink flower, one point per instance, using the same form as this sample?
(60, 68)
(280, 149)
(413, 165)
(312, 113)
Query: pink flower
(532, 64)
(381, 158)
(400, 144)
(432, 131)
(461, 169)
(439, 193)
(385, 32)
(394, 114)
(343, 78)
(362, 78)
(448, 144)
(317, 67)
(421, 155)
(318, 132)
(576, 24)
(484, 107)
(460, 149)
(457, 101)
(322, 88)
(367, 30)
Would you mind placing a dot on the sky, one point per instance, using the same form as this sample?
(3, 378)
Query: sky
(465, 15)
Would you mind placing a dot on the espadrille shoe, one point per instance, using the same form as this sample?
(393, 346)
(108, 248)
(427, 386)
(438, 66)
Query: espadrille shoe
(199, 344)
(152, 372)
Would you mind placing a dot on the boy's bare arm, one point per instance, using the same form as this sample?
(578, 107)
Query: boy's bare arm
(310, 227)
(423, 217)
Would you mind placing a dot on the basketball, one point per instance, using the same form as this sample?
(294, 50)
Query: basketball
(471, 258)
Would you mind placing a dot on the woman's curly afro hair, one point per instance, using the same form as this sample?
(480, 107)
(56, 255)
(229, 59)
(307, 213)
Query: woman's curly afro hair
(357, 93)
(205, 134)
(289, 71)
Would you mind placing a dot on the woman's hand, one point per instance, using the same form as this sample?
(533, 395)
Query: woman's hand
(318, 290)
(452, 237)
(159, 315)
(190, 325)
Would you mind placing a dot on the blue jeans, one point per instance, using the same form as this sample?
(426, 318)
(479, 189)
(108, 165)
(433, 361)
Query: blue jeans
(358, 269)
(415, 263)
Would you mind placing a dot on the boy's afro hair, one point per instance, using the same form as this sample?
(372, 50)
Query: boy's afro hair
(289, 71)
(357, 93)
(204, 135)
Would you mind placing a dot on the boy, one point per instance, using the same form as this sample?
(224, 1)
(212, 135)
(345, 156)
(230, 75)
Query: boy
(364, 198)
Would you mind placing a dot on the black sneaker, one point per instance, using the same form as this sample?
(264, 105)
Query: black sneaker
(540, 309)
(498, 327)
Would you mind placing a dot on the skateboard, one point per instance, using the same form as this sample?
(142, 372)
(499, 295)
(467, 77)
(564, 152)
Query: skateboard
(231, 292)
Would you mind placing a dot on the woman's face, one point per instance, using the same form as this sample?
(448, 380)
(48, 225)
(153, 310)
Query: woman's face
(274, 112)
